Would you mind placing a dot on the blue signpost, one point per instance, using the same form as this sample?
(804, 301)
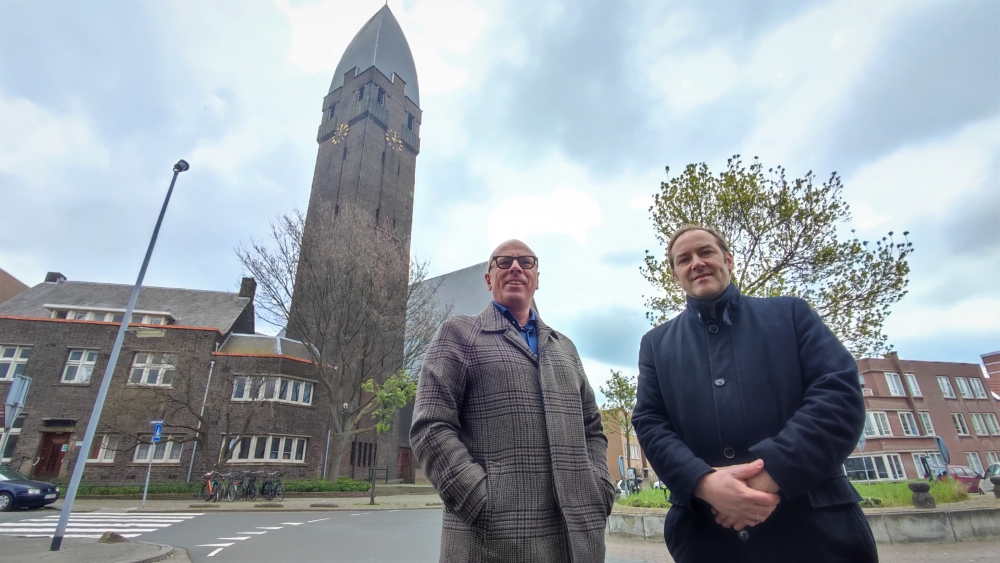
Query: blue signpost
(157, 436)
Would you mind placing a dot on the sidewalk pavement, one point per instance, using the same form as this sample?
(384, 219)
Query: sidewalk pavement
(290, 504)
(34, 550)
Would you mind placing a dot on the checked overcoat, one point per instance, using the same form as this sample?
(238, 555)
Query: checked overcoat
(513, 442)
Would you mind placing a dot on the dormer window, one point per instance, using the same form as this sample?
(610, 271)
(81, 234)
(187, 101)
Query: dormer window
(381, 97)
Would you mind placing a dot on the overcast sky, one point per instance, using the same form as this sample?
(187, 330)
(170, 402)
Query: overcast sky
(551, 122)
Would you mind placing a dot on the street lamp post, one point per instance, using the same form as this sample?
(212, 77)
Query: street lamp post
(88, 439)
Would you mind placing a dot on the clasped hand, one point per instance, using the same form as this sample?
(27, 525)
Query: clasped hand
(741, 496)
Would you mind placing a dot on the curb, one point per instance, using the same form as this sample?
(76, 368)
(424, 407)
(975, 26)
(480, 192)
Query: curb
(161, 556)
(363, 508)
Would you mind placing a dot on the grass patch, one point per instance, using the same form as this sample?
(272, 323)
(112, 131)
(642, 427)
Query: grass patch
(898, 494)
(342, 484)
(647, 498)
(873, 495)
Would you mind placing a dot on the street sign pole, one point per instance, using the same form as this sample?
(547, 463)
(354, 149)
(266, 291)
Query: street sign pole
(13, 406)
(157, 436)
(95, 415)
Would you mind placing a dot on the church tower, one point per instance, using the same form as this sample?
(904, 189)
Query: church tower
(369, 133)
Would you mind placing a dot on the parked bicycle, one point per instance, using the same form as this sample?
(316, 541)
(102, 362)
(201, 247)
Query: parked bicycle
(244, 489)
(212, 489)
(272, 488)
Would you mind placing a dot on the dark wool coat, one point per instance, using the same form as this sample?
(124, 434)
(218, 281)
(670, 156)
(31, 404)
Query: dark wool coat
(514, 444)
(765, 379)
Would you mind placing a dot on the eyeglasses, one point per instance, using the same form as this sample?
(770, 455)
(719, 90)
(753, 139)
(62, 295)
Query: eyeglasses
(505, 262)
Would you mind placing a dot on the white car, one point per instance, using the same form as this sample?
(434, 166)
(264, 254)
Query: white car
(986, 486)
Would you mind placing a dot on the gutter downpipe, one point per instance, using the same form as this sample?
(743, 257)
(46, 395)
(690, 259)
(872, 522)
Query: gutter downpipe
(194, 450)
(326, 453)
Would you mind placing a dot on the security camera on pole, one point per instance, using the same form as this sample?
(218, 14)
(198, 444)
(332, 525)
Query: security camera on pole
(95, 415)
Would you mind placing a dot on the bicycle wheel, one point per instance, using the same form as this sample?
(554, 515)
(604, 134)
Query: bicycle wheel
(231, 492)
(279, 492)
(203, 494)
(252, 492)
(267, 490)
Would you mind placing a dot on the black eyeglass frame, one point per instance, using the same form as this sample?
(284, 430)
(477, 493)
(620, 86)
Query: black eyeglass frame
(495, 260)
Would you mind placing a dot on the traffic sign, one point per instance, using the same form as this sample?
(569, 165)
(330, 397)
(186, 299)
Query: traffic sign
(157, 432)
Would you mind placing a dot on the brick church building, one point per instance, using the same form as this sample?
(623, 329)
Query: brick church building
(192, 357)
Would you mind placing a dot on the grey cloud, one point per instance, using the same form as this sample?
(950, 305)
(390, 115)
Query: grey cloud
(623, 259)
(975, 226)
(948, 348)
(610, 335)
(936, 74)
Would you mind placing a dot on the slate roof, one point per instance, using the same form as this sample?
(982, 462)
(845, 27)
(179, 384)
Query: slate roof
(381, 44)
(188, 307)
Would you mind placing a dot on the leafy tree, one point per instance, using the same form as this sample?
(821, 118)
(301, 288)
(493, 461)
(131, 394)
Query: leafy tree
(620, 397)
(783, 235)
(360, 308)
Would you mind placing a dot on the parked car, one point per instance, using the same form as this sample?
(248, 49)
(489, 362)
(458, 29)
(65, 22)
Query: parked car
(986, 486)
(17, 491)
(967, 476)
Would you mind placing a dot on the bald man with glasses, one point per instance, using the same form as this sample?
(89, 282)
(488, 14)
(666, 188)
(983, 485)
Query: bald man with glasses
(506, 428)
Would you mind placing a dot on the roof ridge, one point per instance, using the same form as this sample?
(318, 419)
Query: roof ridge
(79, 282)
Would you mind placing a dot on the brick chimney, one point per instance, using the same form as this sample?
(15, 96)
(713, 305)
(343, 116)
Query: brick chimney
(248, 288)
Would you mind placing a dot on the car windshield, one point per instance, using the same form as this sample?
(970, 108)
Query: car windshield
(8, 474)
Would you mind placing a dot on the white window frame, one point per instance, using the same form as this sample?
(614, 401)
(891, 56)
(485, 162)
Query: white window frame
(107, 445)
(15, 432)
(895, 384)
(110, 316)
(947, 391)
(278, 389)
(925, 421)
(935, 460)
(892, 465)
(911, 381)
(161, 365)
(877, 424)
(991, 423)
(978, 425)
(963, 387)
(992, 458)
(83, 367)
(13, 360)
(166, 452)
(296, 447)
(977, 387)
(909, 423)
(975, 462)
(958, 419)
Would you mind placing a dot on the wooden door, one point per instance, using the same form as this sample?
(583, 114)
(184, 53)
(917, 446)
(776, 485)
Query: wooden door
(405, 465)
(54, 446)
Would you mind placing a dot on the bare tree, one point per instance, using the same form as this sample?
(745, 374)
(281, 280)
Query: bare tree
(359, 307)
(176, 396)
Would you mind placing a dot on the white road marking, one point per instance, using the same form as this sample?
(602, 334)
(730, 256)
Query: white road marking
(255, 533)
(293, 523)
(216, 551)
(320, 520)
(94, 524)
(214, 545)
(269, 527)
(241, 539)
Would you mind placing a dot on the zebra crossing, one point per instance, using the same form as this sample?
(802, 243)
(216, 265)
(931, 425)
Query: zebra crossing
(95, 524)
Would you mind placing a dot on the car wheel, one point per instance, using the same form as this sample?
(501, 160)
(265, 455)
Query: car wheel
(6, 501)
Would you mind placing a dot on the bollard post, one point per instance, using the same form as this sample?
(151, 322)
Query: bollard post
(921, 495)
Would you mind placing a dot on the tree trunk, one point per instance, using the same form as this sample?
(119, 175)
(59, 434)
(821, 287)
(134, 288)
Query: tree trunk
(337, 442)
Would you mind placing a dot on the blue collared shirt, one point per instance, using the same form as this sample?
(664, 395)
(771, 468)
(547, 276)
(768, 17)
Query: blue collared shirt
(528, 332)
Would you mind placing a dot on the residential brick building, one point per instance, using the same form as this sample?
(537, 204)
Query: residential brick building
(617, 447)
(910, 402)
(991, 363)
(9, 286)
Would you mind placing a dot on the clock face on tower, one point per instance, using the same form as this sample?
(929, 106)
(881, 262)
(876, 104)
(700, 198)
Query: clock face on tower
(340, 134)
(394, 141)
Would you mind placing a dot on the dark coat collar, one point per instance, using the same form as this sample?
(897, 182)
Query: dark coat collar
(724, 307)
(492, 320)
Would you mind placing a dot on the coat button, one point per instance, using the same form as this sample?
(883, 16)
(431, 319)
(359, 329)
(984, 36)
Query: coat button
(744, 535)
(730, 453)
(719, 382)
(713, 328)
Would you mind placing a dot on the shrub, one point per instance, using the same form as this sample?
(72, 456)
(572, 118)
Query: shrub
(647, 498)
(899, 494)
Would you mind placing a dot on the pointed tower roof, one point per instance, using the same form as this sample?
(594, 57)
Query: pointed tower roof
(381, 44)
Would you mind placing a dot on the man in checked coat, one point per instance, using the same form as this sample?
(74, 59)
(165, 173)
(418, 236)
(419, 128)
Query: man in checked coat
(747, 409)
(506, 428)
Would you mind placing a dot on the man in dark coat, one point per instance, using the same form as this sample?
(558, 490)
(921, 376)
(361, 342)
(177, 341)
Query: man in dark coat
(506, 428)
(747, 409)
